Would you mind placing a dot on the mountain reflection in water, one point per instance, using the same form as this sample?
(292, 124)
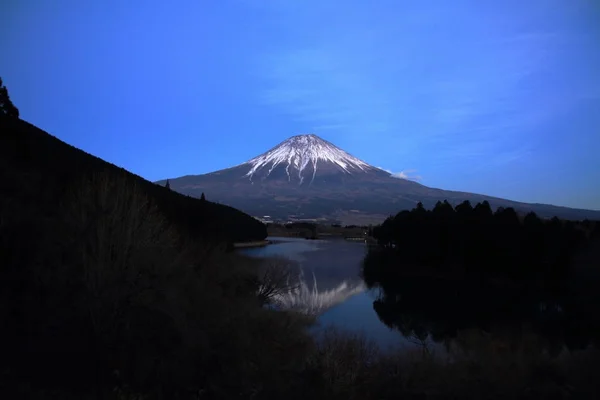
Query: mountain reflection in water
(328, 276)
(424, 311)
(308, 299)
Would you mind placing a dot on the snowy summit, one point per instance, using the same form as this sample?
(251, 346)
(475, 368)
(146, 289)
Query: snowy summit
(302, 156)
(307, 177)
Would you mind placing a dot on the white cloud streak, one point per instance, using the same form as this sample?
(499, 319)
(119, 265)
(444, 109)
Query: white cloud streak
(404, 174)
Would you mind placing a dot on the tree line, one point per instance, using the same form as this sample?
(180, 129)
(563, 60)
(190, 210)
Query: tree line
(478, 241)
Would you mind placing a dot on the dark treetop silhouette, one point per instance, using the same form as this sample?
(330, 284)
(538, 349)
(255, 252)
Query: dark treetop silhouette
(7, 108)
(478, 242)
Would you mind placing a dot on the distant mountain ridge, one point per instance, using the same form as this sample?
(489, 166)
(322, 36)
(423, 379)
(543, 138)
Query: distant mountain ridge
(308, 177)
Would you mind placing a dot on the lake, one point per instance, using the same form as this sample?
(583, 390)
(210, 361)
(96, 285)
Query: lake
(411, 312)
(334, 265)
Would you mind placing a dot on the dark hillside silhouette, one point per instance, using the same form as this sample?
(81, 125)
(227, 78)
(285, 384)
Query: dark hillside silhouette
(114, 287)
(37, 169)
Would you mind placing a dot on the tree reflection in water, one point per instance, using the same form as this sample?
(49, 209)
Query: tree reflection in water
(464, 313)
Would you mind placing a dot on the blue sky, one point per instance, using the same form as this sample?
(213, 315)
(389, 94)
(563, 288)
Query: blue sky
(493, 97)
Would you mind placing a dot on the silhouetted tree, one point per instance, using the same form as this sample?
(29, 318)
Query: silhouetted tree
(481, 242)
(596, 231)
(465, 208)
(420, 209)
(168, 185)
(483, 210)
(202, 197)
(6, 106)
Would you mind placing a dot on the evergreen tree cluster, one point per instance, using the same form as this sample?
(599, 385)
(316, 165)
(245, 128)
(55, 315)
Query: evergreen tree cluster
(477, 240)
(7, 108)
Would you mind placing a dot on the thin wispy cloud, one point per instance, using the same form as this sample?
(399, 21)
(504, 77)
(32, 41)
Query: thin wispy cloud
(466, 90)
(408, 174)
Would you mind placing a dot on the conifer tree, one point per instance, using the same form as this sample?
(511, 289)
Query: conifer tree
(7, 108)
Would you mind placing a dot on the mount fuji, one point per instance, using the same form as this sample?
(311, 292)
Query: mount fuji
(307, 177)
(310, 161)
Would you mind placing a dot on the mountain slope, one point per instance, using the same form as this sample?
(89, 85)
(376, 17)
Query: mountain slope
(309, 177)
(301, 157)
(37, 169)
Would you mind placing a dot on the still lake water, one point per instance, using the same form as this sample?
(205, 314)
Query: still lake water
(335, 264)
(431, 312)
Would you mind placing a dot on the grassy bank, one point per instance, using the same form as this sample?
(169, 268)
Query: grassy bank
(476, 366)
(256, 243)
(314, 230)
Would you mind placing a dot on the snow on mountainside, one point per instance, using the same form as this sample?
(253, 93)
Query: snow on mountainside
(308, 177)
(302, 156)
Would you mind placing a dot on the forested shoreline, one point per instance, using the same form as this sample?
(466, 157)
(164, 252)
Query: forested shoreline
(477, 242)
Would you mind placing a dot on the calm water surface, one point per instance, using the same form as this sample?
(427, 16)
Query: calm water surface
(434, 311)
(335, 264)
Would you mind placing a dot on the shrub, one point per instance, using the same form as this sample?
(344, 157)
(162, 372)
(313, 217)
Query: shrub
(276, 277)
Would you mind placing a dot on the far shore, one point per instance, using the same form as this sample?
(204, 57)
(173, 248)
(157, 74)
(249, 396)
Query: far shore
(256, 243)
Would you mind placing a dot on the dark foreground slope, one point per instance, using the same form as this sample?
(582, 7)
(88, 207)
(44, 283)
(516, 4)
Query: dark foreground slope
(114, 288)
(37, 169)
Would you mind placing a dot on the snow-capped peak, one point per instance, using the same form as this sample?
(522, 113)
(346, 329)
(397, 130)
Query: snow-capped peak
(305, 152)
